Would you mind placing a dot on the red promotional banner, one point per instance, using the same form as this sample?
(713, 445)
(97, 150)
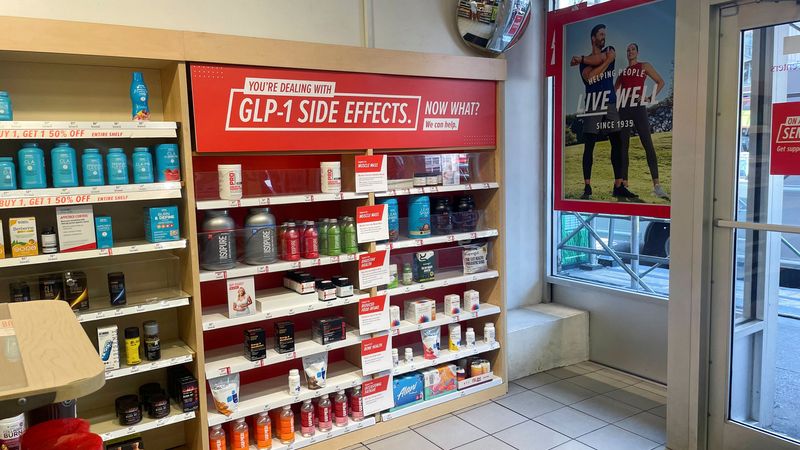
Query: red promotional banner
(369, 164)
(369, 213)
(785, 154)
(375, 345)
(372, 260)
(371, 305)
(241, 109)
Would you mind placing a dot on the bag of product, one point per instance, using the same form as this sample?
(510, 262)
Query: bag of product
(475, 258)
(431, 341)
(225, 391)
(316, 369)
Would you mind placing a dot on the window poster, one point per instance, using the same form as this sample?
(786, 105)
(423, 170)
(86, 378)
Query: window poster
(613, 66)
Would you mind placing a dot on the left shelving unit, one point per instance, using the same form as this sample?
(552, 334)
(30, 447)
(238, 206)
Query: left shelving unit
(95, 113)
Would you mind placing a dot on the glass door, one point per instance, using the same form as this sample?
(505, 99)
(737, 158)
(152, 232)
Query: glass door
(754, 377)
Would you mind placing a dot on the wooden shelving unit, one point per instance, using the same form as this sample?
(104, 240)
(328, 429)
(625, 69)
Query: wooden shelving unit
(96, 62)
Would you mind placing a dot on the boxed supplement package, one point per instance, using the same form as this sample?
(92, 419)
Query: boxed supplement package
(440, 380)
(108, 346)
(102, 228)
(424, 267)
(284, 336)
(161, 224)
(75, 228)
(182, 387)
(452, 305)
(472, 300)
(408, 389)
(241, 297)
(300, 282)
(22, 231)
(255, 344)
(420, 310)
(328, 330)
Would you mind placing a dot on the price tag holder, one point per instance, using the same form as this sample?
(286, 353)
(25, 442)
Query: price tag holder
(376, 354)
(371, 174)
(373, 269)
(373, 314)
(377, 395)
(372, 223)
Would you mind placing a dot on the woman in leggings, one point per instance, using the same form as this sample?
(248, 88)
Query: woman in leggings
(634, 76)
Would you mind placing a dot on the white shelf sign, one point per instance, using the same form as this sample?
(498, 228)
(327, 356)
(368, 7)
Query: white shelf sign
(377, 395)
(373, 314)
(373, 269)
(372, 223)
(371, 174)
(376, 354)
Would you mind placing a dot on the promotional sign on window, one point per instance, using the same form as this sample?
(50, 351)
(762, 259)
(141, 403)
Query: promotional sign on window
(247, 109)
(371, 174)
(613, 66)
(785, 156)
(372, 223)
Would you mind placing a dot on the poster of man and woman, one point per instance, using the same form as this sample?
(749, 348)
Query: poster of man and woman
(613, 148)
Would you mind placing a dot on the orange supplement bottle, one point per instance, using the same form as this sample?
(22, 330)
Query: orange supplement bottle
(217, 438)
(263, 432)
(286, 427)
(240, 436)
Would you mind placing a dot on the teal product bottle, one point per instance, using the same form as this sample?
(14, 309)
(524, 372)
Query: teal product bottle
(32, 173)
(139, 98)
(64, 164)
(419, 217)
(334, 238)
(92, 167)
(142, 165)
(168, 163)
(393, 212)
(6, 112)
(349, 238)
(8, 174)
(117, 164)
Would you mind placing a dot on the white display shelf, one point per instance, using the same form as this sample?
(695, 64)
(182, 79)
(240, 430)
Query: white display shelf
(496, 381)
(444, 279)
(123, 248)
(438, 189)
(243, 270)
(227, 360)
(273, 393)
(271, 304)
(172, 354)
(34, 130)
(449, 238)
(137, 303)
(444, 355)
(278, 200)
(32, 198)
(319, 436)
(485, 309)
(106, 424)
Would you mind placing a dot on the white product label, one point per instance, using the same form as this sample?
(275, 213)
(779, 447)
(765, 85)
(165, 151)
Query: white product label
(371, 174)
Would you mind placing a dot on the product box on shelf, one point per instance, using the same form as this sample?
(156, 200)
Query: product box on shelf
(419, 310)
(255, 344)
(241, 292)
(424, 267)
(75, 228)
(105, 235)
(284, 336)
(408, 389)
(328, 330)
(125, 443)
(108, 346)
(183, 388)
(452, 305)
(22, 231)
(440, 380)
(161, 224)
(300, 282)
(478, 379)
(472, 300)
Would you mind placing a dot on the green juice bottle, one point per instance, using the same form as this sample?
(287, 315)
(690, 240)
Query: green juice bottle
(350, 245)
(322, 227)
(334, 238)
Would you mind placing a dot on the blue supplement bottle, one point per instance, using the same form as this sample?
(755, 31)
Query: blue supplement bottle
(65, 166)
(117, 164)
(393, 214)
(32, 173)
(139, 98)
(168, 163)
(419, 216)
(8, 174)
(142, 165)
(92, 167)
(6, 112)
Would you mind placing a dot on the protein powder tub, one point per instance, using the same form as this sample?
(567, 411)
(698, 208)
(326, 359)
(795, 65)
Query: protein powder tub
(11, 430)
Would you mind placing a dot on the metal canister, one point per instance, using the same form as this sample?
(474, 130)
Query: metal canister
(261, 245)
(218, 241)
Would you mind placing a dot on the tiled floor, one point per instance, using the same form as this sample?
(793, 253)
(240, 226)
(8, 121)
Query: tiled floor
(580, 407)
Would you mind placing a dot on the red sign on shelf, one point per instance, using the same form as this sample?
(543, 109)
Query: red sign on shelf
(242, 109)
(785, 155)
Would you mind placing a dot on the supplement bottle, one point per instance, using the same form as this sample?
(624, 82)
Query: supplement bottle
(152, 342)
(132, 344)
(357, 401)
(261, 243)
(11, 431)
(263, 431)
(310, 241)
(441, 222)
(419, 217)
(65, 166)
(140, 110)
(168, 163)
(116, 288)
(307, 419)
(240, 435)
(217, 438)
(286, 425)
(76, 290)
(8, 174)
(290, 243)
(340, 409)
(6, 111)
(49, 241)
(92, 167)
(142, 165)
(324, 414)
(217, 241)
(32, 173)
(334, 238)
(349, 241)
(393, 216)
(294, 382)
(322, 233)
(331, 177)
(117, 164)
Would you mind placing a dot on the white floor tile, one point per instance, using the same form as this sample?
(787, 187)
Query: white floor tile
(536, 380)
(605, 408)
(463, 410)
(487, 443)
(565, 392)
(637, 397)
(614, 438)
(531, 436)
(492, 418)
(573, 445)
(515, 388)
(567, 372)
(403, 441)
(598, 382)
(434, 420)
(387, 435)
(647, 425)
(450, 433)
(530, 404)
(570, 422)
(660, 411)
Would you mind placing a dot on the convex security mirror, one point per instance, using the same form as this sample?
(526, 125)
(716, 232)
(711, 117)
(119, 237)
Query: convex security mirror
(492, 26)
